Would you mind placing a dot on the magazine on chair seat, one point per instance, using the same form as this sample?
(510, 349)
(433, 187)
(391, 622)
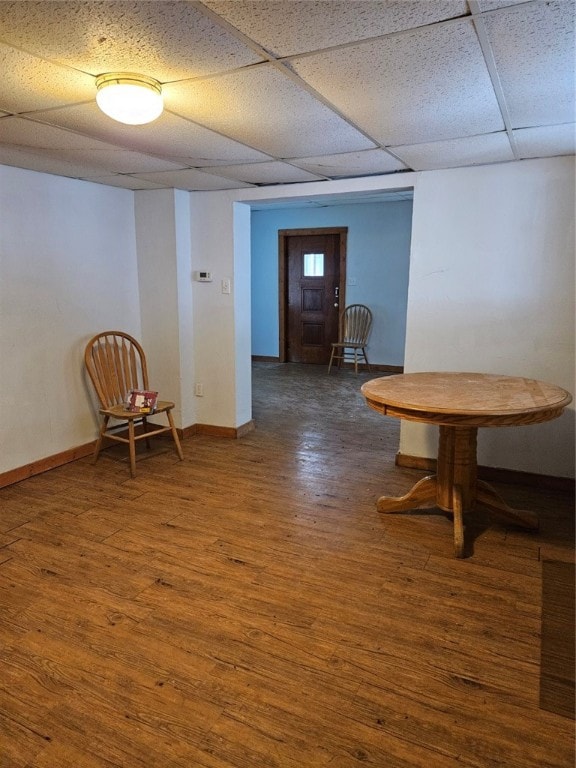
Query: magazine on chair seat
(141, 400)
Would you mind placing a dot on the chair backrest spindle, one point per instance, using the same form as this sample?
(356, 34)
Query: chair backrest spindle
(115, 363)
(356, 322)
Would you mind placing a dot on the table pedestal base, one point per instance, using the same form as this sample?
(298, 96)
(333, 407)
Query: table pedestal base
(455, 488)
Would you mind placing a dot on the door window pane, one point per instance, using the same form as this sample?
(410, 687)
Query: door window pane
(313, 265)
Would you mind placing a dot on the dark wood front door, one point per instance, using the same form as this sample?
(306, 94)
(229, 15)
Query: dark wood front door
(313, 289)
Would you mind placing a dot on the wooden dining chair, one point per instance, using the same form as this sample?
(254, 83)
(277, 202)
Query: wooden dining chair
(354, 329)
(116, 364)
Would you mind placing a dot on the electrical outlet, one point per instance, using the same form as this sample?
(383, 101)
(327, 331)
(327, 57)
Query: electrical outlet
(199, 390)
(226, 286)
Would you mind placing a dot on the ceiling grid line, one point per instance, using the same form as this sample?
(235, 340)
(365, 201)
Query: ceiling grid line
(492, 69)
(261, 92)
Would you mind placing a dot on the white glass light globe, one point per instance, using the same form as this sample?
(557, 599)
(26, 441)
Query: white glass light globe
(129, 98)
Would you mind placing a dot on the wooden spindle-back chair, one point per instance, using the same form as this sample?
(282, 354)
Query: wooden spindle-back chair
(355, 325)
(116, 363)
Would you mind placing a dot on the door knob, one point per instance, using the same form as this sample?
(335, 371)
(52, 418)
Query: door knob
(336, 304)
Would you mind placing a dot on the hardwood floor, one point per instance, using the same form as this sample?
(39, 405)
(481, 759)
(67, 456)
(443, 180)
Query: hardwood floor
(249, 608)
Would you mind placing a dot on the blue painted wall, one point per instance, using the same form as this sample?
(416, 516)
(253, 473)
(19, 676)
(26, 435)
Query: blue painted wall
(378, 260)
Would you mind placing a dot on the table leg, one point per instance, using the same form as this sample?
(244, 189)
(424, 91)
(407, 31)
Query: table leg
(455, 488)
(424, 491)
(456, 466)
(457, 471)
(489, 498)
(458, 513)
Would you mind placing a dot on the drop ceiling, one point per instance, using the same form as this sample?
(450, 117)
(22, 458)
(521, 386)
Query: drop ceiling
(263, 92)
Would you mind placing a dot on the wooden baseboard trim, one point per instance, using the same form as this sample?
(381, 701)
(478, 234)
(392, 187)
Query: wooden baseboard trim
(230, 432)
(415, 462)
(265, 359)
(13, 476)
(376, 367)
(495, 474)
(43, 465)
(382, 368)
(245, 429)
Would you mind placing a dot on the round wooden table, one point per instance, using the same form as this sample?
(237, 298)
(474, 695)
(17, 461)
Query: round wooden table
(460, 403)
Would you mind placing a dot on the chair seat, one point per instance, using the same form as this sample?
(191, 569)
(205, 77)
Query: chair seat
(149, 428)
(120, 412)
(351, 344)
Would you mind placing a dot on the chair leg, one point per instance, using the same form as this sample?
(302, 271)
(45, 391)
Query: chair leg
(132, 446)
(175, 435)
(145, 428)
(331, 359)
(98, 445)
(356, 362)
(366, 358)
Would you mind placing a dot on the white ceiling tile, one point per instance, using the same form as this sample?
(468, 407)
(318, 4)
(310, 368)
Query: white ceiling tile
(264, 173)
(546, 141)
(284, 120)
(29, 133)
(490, 5)
(166, 40)
(192, 180)
(412, 87)
(456, 153)
(125, 182)
(533, 48)
(169, 136)
(408, 74)
(36, 161)
(370, 161)
(29, 83)
(80, 151)
(120, 160)
(286, 28)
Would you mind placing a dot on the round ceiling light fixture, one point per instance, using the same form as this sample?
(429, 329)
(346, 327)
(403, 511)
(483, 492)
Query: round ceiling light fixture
(129, 98)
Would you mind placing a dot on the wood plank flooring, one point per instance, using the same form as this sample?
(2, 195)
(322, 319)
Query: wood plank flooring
(249, 608)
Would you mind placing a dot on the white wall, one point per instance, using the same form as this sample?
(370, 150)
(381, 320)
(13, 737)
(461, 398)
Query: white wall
(185, 405)
(492, 289)
(242, 317)
(162, 220)
(67, 271)
(213, 250)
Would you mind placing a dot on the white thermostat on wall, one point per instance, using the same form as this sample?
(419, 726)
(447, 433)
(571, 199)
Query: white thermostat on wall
(203, 277)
